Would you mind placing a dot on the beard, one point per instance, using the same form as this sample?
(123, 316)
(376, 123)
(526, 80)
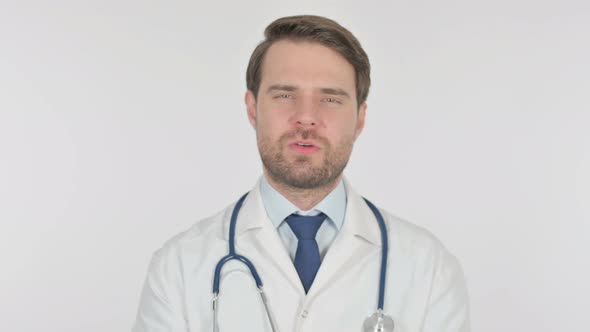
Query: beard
(299, 171)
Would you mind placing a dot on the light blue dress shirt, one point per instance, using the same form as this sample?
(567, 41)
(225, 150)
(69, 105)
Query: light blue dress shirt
(278, 208)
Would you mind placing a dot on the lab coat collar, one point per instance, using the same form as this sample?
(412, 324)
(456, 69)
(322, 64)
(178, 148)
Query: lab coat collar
(359, 220)
(358, 238)
(251, 216)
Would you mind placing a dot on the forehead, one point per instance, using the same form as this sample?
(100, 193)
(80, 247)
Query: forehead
(306, 64)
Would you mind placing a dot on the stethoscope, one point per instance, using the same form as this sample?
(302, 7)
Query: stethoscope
(377, 322)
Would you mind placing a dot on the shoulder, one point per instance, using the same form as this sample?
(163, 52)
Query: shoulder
(408, 233)
(200, 234)
(417, 243)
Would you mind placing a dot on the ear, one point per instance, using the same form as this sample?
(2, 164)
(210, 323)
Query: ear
(360, 124)
(250, 101)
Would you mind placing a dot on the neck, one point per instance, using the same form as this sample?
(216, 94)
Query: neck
(304, 199)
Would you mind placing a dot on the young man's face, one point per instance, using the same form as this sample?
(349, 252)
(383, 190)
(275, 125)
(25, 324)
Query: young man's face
(305, 115)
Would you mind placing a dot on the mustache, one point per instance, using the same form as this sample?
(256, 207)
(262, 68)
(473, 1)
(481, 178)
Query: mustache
(303, 134)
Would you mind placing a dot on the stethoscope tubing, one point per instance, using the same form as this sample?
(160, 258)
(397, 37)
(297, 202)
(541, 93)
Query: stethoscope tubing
(232, 252)
(384, 251)
(233, 256)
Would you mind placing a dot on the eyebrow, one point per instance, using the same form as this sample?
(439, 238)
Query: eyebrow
(335, 91)
(292, 88)
(281, 87)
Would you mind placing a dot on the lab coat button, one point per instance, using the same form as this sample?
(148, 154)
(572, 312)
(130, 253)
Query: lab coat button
(304, 313)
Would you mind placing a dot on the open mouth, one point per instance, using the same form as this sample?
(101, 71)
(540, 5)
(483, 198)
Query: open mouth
(304, 148)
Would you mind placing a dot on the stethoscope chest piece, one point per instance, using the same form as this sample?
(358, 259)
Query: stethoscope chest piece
(378, 322)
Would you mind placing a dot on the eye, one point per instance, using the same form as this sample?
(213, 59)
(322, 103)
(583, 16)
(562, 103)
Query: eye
(333, 100)
(283, 96)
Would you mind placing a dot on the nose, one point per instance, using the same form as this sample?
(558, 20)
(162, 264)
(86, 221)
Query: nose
(306, 114)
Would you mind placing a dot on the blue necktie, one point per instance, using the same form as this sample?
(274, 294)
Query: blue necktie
(307, 256)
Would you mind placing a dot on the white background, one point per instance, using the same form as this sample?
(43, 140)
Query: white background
(122, 123)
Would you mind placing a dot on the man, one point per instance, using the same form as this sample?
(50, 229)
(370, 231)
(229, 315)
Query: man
(313, 240)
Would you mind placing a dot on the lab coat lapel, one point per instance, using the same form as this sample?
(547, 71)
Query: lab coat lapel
(258, 239)
(360, 236)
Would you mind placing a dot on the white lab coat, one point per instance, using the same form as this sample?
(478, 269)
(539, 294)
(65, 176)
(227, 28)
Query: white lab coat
(425, 289)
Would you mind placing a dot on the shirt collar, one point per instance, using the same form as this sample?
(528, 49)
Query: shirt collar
(278, 207)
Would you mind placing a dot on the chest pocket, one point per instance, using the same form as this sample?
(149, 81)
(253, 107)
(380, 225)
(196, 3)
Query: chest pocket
(240, 307)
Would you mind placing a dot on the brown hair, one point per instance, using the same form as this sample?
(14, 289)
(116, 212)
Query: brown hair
(313, 29)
